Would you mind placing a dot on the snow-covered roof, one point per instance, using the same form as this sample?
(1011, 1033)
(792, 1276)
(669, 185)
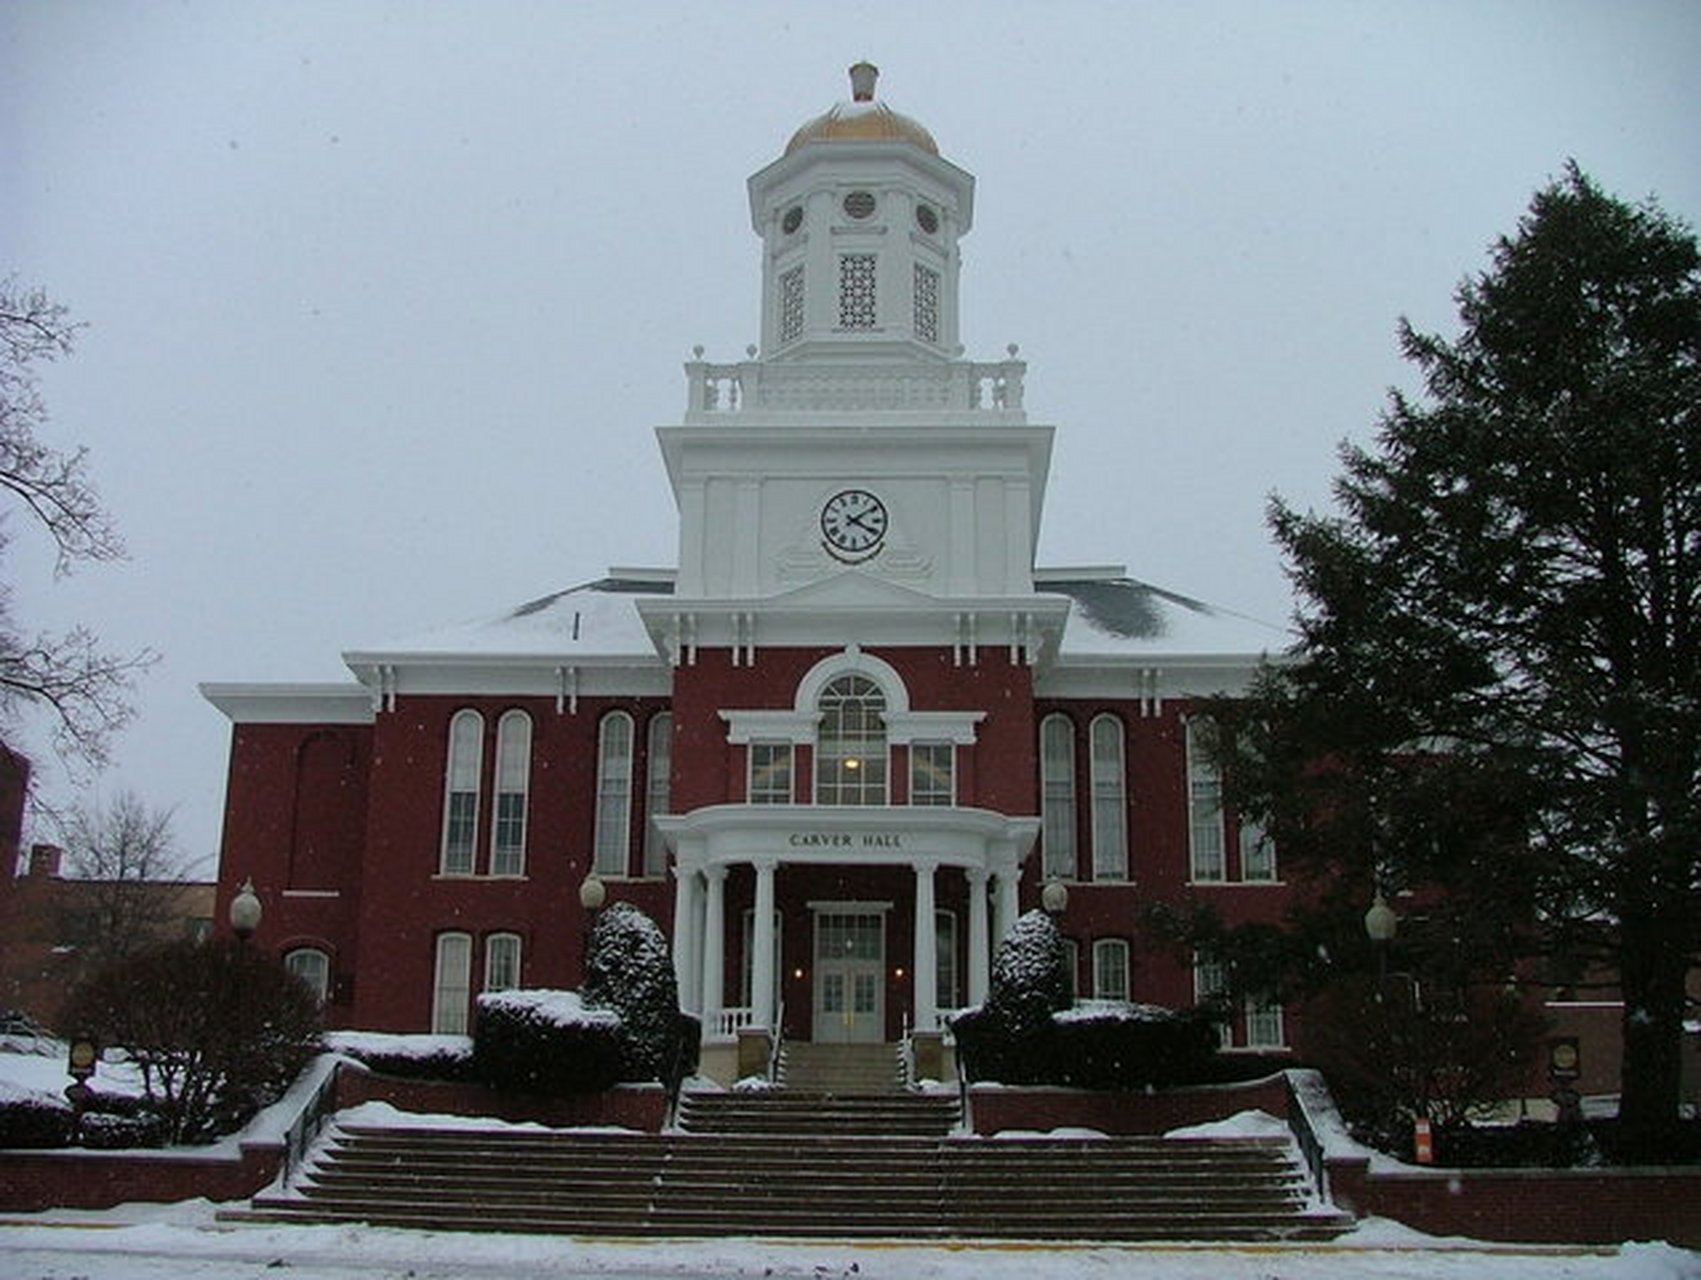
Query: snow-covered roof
(1120, 616)
(1110, 616)
(593, 620)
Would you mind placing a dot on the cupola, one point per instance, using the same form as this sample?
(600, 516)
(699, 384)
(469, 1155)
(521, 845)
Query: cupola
(859, 220)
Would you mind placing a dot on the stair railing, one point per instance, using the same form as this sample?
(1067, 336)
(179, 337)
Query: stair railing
(776, 1042)
(1305, 1135)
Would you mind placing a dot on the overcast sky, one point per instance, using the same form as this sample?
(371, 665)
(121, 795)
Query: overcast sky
(384, 300)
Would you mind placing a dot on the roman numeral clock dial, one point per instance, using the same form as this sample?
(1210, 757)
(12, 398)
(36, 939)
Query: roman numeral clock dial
(853, 525)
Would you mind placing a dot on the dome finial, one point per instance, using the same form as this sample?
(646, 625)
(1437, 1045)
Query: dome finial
(862, 78)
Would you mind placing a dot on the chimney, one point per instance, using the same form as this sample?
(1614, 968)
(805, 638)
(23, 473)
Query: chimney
(44, 861)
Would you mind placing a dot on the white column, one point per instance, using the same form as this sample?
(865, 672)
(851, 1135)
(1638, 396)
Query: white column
(1008, 878)
(714, 947)
(762, 963)
(925, 973)
(980, 948)
(687, 955)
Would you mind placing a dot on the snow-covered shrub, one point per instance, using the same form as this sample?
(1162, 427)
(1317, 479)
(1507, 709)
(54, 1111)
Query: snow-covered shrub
(32, 1119)
(217, 1031)
(1029, 978)
(415, 1057)
(1027, 1033)
(629, 969)
(545, 1042)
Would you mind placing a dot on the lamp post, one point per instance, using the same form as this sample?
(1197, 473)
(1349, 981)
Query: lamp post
(1054, 898)
(1380, 923)
(245, 912)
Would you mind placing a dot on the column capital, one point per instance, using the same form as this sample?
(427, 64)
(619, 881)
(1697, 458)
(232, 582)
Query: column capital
(715, 872)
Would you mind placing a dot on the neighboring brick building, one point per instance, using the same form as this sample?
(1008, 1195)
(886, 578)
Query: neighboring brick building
(51, 927)
(834, 751)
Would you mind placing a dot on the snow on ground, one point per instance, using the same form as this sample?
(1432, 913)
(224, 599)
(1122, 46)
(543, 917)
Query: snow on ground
(184, 1242)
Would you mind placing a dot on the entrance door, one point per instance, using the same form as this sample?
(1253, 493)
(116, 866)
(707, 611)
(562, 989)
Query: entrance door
(850, 977)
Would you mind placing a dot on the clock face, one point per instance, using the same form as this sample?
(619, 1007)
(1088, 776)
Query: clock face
(853, 523)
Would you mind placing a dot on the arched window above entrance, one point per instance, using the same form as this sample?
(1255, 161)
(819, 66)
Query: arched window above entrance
(850, 751)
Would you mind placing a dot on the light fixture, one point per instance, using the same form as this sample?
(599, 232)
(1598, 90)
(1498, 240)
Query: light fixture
(593, 892)
(853, 763)
(245, 911)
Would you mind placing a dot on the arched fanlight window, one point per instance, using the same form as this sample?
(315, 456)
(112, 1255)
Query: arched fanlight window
(850, 745)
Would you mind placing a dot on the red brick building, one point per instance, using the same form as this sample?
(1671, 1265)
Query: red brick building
(835, 750)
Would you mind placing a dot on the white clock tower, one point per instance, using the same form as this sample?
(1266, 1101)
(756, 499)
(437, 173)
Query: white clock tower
(857, 480)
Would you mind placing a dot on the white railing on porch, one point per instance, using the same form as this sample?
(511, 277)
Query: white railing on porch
(729, 1022)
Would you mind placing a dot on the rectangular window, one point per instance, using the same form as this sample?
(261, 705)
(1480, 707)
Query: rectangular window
(501, 962)
(451, 992)
(856, 291)
(1110, 969)
(791, 304)
(1257, 853)
(1210, 987)
(932, 769)
(770, 773)
(926, 303)
(1264, 1022)
(945, 945)
(1204, 804)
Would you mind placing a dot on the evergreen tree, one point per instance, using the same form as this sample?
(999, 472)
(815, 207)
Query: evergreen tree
(1497, 690)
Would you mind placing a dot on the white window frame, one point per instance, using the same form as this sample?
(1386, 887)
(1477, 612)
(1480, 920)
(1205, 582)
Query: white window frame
(928, 762)
(1264, 1022)
(766, 761)
(1207, 847)
(613, 837)
(451, 984)
(1210, 984)
(1257, 851)
(948, 991)
(846, 735)
(463, 775)
(1108, 764)
(508, 809)
(502, 951)
(312, 965)
(658, 790)
(1057, 795)
(1111, 960)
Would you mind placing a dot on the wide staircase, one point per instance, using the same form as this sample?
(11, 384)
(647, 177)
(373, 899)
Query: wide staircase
(840, 1159)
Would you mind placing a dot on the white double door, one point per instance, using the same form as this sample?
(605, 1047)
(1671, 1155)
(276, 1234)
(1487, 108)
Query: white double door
(850, 977)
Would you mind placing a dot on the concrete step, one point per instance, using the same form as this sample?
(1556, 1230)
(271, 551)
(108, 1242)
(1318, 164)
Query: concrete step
(802, 1185)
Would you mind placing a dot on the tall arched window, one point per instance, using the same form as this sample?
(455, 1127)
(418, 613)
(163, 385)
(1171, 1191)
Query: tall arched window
(850, 747)
(657, 791)
(1057, 795)
(614, 794)
(513, 780)
(451, 989)
(1204, 803)
(460, 798)
(1110, 801)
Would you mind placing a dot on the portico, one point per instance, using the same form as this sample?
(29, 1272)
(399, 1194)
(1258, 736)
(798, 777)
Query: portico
(986, 849)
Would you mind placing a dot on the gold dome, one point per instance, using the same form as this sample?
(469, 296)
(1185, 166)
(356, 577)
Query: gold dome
(863, 120)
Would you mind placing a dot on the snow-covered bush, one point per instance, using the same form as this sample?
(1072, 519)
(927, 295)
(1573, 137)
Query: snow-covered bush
(629, 969)
(29, 1118)
(545, 1042)
(415, 1057)
(216, 1031)
(1027, 1033)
